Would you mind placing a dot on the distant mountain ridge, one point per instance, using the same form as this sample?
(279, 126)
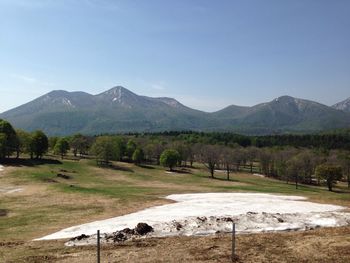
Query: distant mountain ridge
(119, 110)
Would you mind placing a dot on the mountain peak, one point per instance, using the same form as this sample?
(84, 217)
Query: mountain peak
(343, 105)
(285, 98)
(119, 95)
(117, 90)
(57, 93)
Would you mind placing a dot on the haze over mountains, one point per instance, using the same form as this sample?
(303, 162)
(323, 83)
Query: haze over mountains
(119, 110)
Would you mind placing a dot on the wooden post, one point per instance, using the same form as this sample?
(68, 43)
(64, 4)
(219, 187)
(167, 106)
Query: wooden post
(233, 256)
(98, 247)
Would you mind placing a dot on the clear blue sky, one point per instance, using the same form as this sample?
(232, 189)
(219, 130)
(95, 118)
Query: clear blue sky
(207, 54)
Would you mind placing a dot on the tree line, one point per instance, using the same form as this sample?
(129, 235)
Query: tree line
(292, 158)
(17, 142)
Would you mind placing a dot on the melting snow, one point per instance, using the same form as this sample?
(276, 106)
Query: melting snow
(206, 213)
(10, 190)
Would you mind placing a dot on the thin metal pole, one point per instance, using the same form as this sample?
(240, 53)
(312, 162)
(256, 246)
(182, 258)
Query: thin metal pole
(98, 247)
(233, 241)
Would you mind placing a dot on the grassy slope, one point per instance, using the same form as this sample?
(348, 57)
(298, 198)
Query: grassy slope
(49, 203)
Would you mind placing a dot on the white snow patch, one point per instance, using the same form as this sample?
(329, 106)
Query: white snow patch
(205, 213)
(10, 190)
(259, 175)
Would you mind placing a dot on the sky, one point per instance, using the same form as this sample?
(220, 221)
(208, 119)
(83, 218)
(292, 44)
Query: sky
(206, 54)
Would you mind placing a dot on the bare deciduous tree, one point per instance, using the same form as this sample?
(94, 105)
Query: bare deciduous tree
(210, 157)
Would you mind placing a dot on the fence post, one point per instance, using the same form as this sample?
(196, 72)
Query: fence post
(233, 255)
(98, 247)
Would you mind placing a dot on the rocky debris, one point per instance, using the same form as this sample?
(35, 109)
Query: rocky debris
(251, 213)
(143, 229)
(178, 226)
(64, 176)
(227, 219)
(119, 237)
(279, 219)
(202, 219)
(78, 238)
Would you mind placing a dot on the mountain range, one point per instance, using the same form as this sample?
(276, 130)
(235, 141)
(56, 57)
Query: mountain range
(119, 110)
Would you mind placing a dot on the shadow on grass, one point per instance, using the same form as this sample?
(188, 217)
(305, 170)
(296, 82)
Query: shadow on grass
(115, 167)
(181, 171)
(223, 179)
(146, 166)
(28, 162)
(337, 191)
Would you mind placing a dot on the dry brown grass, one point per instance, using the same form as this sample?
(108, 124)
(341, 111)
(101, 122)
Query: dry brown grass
(322, 245)
(63, 209)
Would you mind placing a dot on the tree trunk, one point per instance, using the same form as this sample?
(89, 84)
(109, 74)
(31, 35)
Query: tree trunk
(296, 181)
(228, 172)
(329, 184)
(212, 168)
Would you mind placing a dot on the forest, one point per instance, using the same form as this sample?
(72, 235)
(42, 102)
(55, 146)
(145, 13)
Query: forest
(320, 159)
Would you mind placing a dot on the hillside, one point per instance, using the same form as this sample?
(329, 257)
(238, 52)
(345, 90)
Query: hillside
(119, 110)
(116, 110)
(285, 114)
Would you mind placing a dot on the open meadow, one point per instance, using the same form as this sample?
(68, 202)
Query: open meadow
(38, 198)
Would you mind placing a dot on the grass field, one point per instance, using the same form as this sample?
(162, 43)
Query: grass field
(49, 203)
